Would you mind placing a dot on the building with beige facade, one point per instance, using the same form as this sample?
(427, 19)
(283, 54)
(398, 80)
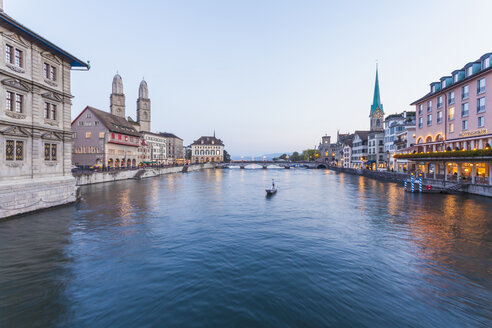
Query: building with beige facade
(207, 149)
(35, 135)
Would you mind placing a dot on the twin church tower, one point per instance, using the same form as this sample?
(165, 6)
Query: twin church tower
(117, 103)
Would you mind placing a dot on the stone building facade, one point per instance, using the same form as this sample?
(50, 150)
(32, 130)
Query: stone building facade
(174, 148)
(35, 134)
(207, 149)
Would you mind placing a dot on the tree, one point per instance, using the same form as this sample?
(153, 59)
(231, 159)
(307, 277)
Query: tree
(188, 154)
(283, 156)
(310, 154)
(227, 157)
(295, 157)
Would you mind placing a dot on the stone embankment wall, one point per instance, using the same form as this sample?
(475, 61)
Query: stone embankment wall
(88, 178)
(477, 189)
(24, 196)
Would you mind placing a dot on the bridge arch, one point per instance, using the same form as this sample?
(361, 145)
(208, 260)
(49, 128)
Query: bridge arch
(321, 166)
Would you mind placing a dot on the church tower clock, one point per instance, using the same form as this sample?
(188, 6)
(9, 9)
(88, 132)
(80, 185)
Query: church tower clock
(377, 113)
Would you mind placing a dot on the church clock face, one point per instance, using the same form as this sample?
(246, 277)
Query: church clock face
(378, 114)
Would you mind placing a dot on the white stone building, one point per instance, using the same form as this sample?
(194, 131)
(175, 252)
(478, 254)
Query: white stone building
(157, 145)
(359, 149)
(207, 149)
(35, 135)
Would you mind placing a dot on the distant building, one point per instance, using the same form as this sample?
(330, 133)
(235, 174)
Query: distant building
(35, 137)
(324, 149)
(207, 149)
(156, 150)
(174, 148)
(360, 149)
(395, 124)
(376, 158)
(111, 139)
(105, 140)
(346, 153)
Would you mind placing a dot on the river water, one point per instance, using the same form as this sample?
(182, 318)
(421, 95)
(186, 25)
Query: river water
(208, 249)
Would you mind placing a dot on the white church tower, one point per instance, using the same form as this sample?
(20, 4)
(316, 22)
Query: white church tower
(117, 98)
(143, 107)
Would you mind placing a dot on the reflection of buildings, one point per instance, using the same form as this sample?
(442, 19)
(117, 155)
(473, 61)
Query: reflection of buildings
(35, 138)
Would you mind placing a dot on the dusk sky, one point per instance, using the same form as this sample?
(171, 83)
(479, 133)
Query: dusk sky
(267, 76)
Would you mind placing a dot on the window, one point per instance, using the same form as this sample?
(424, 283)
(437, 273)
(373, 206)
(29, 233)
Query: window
(421, 108)
(112, 135)
(50, 111)
(464, 125)
(88, 135)
(439, 116)
(451, 98)
(464, 110)
(481, 86)
(451, 127)
(455, 78)
(481, 105)
(486, 63)
(429, 105)
(19, 99)
(451, 113)
(429, 119)
(9, 54)
(96, 123)
(420, 122)
(8, 103)
(49, 152)
(439, 102)
(18, 58)
(469, 71)
(49, 72)
(481, 121)
(14, 150)
(81, 123)
(443, 84)
(465, 92)
(101, 135)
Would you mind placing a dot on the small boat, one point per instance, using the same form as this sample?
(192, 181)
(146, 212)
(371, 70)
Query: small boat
(271, 190)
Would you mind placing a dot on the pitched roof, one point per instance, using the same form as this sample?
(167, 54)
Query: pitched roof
(114, 123)
(208, 141)
(376, 102)
(362, 134)
(169, 135)
(74, 62)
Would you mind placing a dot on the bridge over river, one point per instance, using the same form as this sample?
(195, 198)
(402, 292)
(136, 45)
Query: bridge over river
(272, 165)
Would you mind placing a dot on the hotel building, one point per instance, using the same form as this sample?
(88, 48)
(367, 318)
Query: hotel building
(456, 116)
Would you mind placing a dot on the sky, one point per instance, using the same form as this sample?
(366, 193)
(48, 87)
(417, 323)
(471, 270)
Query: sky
(266, 76)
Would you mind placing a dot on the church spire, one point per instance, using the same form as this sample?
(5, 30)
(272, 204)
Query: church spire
(376, 103)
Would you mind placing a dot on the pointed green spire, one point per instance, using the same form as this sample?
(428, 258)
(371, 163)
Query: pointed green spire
(376, 103)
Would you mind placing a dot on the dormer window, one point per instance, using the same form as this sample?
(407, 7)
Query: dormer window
(443, 84)
(455, 77)
(486, 63)
(433, 88)
(469, 71)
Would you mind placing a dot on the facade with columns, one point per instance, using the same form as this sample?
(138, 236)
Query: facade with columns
(35, 134)
(456, 116)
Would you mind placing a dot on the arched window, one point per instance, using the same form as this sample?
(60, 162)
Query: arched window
(201, 152)
(218, 152)
(213, 152)
(428, 139)
(419, 140)
(208, 152)
(378, 122)
(196, 152)
(439, 137)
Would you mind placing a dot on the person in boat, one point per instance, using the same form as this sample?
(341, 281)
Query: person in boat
(273, 184)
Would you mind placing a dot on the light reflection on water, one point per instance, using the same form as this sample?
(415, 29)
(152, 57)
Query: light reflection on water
(208, 249)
